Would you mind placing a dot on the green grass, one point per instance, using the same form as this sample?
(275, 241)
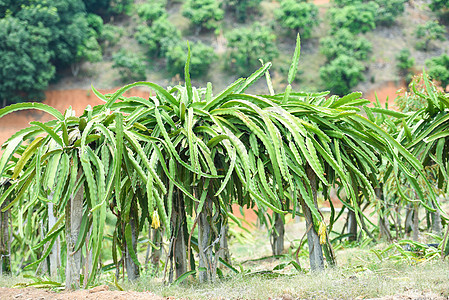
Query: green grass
(358, 273)
(343, 282)
(9, 281)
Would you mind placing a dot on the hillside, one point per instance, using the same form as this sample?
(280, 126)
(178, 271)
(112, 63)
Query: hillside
(380, 72)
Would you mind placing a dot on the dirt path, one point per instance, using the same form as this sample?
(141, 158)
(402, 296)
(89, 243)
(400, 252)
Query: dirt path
(98, 293)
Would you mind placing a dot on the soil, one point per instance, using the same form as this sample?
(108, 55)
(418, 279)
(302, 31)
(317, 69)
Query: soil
(97, 293)
(102, 292)
(78, 99)
(385, 93)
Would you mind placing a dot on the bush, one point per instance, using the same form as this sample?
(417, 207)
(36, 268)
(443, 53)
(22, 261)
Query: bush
(111, 34)
(130, 65)
(437, 5)
(298, 15)
(439, 69)
(200, 59)
(430, 31)
(203, 13)
(248, 45)
(356, 18)
(159, 37)
(108, 7)
(341, 74)
(389, 10)
(152, 10)
(405, 62)
(344, 42)
(342, 3)
(386, 12)
(95, 22)
(241, 7)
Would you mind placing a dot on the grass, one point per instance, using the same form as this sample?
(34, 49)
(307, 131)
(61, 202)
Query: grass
(351, 279)
(358, 274)
(344, 282)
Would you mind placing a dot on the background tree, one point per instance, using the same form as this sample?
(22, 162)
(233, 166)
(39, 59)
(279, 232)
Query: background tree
(428, 32)
(248, 45)
(202, 57)
(341, 74)
(25, 65)
(130, 65)
(343, 42)
(298, 15)
(67, 22)
(438, 69)
(63, 32)
(90, 50)
(241, 8)
(359, 17)
(158, 38)
(110, 35)
(151, 10)
(107, 8)
(389, 10)
(437, 5)
(203, 13)
(386, 12)
(405, 63)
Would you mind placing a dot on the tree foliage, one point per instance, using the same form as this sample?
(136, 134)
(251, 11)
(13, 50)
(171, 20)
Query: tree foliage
(437, 5)
(67, 22)
(70, 36)
(158, 38)
(359, 17)
(108, 7)
(341, 74)
(151, 10)
(298, 15)
(389, 10)
(343, 42)
(90, 49)
(131, 65)
(428, 32)
(241, 8)
(405, 62)
(202, 57)
(110, 35)
(386, 13)
(438, 69)
(248, 45)
(203, 13)
(25, 65)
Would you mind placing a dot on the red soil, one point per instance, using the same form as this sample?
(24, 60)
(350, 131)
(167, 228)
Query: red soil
(97, 293)
(388, 91)
(59, 99)
(319, 2)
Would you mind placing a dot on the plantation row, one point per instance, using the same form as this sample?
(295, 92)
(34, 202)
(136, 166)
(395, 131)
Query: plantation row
(42, 40)
(170, 167)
